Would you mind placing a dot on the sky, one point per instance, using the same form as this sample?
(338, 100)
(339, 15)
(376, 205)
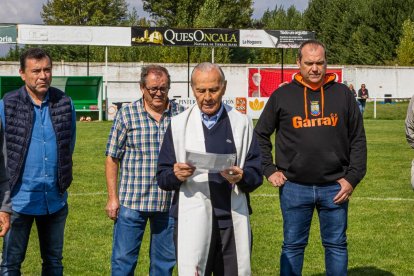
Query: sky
(28, 11)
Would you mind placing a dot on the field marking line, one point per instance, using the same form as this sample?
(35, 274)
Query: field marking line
(352, 198)
(275, 195)
(87, 194)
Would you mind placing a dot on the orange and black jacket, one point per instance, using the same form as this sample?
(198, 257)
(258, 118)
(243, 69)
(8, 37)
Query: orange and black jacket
(320, 135)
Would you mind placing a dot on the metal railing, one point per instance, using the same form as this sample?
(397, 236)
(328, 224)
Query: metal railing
(384, 100)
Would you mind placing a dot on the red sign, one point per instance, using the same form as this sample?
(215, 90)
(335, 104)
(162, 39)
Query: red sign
(241, 104)
(264, 81)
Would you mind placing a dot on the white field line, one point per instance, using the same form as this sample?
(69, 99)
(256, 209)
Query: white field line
(352, 198)
(275, 195)
(87, 194)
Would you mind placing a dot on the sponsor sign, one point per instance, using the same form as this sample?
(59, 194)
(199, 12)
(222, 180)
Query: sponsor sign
(274, 38)
(114, 104)
(263, 81)
(140, 36)
(241, 103)
(74, 35)
(184, 37)
(8, 34)
(255, 106)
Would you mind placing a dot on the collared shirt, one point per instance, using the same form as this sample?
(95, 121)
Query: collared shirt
(135, 140)
(210, 121)
(37, 192)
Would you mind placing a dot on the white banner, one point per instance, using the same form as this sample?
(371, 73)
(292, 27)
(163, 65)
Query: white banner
(74, 35)
(273, 38)
(257, 39)
(253, 107)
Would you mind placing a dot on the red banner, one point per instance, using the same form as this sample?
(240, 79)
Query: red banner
(264, 81)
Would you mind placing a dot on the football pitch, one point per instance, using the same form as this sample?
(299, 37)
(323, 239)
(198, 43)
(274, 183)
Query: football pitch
(380, 227)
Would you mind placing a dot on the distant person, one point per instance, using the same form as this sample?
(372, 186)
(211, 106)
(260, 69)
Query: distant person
(409, 133)
(363, 96)
(131, 165)
(321, 156)
(351, 87)
(40, 128)
(212, 230)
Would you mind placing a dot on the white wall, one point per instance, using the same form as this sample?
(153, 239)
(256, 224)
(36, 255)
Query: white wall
(382, 80)
(123, 78)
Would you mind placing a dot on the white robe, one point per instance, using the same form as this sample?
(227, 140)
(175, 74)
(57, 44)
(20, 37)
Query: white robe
(195, 210)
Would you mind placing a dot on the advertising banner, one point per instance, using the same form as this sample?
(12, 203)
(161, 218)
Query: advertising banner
(114, 104)
(8, 34)
(255, 106)
(151, 36)
(184, 37)
(74, 35)
(263, 81)
(274, 38)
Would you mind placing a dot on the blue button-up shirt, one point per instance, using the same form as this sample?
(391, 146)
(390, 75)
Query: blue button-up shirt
(210, 121)
(36, 192)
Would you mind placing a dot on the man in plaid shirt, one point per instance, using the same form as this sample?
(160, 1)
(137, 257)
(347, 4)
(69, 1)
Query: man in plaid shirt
(133, 145)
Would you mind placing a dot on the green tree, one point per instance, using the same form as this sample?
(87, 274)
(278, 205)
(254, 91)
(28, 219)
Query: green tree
(405, 50)
(185, 13)
(166, 12)
(199, 14)
(359, 32)
(385, 19)
(84, 12)
(90, 13)
(277, 19)
(332, 22)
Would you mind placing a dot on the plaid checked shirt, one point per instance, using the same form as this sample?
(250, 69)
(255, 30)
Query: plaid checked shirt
(135, 140)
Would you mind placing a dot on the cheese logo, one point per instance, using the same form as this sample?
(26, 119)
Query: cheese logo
(256, 105)
(299, 122)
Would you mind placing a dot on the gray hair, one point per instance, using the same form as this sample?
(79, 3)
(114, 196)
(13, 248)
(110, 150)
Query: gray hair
(208, 66)
(155, 69)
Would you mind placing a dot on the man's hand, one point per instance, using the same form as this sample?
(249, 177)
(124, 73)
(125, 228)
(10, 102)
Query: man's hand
(183, 171)
(112, 208)
(233, 174)
(345, 192)
(4, 223)
(277, 179)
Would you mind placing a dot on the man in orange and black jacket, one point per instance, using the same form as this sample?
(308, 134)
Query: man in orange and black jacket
(320, 158)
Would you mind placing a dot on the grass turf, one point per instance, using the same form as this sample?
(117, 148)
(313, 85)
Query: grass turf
(381, 213)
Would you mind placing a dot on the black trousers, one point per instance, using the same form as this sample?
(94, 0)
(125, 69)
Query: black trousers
(222, 256)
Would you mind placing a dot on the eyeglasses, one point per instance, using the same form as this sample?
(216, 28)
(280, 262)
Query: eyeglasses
(154, 90)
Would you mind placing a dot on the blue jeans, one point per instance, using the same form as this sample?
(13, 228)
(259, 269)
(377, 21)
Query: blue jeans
(128, 232)
(50, 230)
(362, 106)
(298, 203)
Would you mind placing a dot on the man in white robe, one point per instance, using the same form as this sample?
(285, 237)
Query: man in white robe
(211, 208)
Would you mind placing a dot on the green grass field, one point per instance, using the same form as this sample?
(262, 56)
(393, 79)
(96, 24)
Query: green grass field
(381, 213)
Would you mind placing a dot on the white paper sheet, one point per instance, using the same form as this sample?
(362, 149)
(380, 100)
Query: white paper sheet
(213, 162)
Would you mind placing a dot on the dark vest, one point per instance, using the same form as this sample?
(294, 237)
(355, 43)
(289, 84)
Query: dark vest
(219, 139)
(19, 116)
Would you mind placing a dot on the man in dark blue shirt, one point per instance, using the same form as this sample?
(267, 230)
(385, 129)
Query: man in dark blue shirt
(40, 126)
